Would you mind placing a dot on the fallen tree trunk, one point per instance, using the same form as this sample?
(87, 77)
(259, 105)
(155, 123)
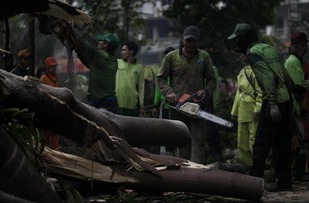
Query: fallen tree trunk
(57, 110)
(177, 176)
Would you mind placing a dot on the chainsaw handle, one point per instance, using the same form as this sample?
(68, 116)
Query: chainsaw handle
(189, 98)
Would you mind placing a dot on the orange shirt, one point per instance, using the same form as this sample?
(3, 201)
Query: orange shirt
(46, 80)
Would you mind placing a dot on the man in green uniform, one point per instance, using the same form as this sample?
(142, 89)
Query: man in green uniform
(273, 130)
(190, 71)
(246, 108)
(294, 66)
(103, 66)
(130, 82)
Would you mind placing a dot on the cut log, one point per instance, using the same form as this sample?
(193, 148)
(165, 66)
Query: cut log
(184, 177)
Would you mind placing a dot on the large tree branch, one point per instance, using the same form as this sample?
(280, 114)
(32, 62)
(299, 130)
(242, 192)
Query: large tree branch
(57, 110)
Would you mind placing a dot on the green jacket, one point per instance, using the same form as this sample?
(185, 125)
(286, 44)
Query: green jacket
(294, 68)
(269, 71)
(130, 85)
(186, 77)
(248, 98)
(103, 67)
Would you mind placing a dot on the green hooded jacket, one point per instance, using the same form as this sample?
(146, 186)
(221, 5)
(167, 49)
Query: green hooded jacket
(248, 98)
(269, 71)
(103, 67)
(294, 68)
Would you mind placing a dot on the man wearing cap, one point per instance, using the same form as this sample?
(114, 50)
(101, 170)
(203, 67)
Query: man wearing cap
(103, 66)
(190, 71)
(273, 131)
(294, 62)
(50, 72)
(294, 65)
(25, 58)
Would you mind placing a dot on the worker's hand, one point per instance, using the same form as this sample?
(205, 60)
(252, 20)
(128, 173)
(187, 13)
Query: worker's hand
(275, 113)
(154, 113)
(200, 93)
(172, 99)
(200, 96)
(256, 116)
(142, 112)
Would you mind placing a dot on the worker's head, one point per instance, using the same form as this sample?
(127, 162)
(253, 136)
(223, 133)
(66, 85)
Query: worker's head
(245, 35)
(299, 44)
(108, 42)
(25, 58)
(50, 67)
(190, 38)
(129, 50)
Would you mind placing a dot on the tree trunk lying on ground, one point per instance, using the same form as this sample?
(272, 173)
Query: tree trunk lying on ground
(177, 175)
(57, 110)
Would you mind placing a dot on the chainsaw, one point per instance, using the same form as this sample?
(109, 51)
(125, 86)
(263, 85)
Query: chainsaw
(189, 105)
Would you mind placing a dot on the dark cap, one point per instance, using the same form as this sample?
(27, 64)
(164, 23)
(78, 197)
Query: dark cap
(110, 38)
(240, 29)
(191, 32)
(298, 37)
(24, 53)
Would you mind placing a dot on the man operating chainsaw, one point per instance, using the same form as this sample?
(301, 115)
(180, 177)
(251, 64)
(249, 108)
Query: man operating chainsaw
(190, 72)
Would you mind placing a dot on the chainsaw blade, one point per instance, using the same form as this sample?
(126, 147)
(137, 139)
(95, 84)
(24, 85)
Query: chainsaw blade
(215, 119)
(193, 110)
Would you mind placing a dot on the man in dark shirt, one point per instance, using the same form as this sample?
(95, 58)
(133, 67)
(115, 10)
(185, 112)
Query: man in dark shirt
(24, 58)
(273, 131)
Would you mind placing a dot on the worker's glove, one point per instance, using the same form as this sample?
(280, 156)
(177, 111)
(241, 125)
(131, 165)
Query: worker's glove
(142, 112)
(172, 99)
(204, 98)
(65, 33)
(275, 113)
(155, 113)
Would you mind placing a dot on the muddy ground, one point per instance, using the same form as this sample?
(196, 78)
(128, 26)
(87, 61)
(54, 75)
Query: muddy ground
(298, 194)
